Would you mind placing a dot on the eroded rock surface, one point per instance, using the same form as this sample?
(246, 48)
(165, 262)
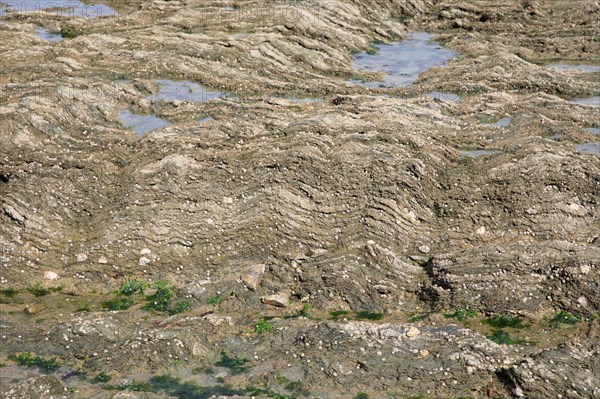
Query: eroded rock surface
(391, 249)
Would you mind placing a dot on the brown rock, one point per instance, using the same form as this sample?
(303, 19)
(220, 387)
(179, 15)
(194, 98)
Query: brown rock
(253, 275)
(279, 300)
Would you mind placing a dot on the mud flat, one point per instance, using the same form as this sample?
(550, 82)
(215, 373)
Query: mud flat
(300, 236)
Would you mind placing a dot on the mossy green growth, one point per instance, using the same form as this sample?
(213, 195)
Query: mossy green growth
(361, 395)
(503, 321)
(501, 337)
(215, 300)
(367, 315)
(305, 311)
(180, 307)
(30, 360)
(9, 292)
(118, 304)
(102, 377)
(416, 317)
(131, 287)
(263, 326)
(336, 314)
(161, 299)
(461, 315)
(563, 318)
(200, 370)
(38, 289)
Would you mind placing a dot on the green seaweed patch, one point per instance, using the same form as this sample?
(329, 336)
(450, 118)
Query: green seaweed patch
(102, 377)
(563, 317)
(263, 326)
(9, 292)
(503, 321)
(39, 290)
(215, 300)
(336, 314)
(304, 312)
(161, 299)
(28, 359)
(118, 304)
(368, 315)
(180, 307)
(361, 395)
(131, 287)
(501, 337)
(417, 317)
(201, 370)
(461, 315)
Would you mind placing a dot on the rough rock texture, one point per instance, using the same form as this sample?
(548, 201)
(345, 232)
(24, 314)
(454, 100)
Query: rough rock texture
(361, 201)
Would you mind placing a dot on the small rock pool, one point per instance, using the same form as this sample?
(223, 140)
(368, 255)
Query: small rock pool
(593, 101)
(589, 148)
(141, 124)
(69, 8)
(477, 153)
(403, 62)
(183, 90)
(48, 35)
(504, 122)
(580, 68)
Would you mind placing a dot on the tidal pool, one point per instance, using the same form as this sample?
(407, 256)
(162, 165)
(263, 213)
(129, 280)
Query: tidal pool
(478, 153)
(184, 91)
(69, 8)
(593, 101)
(206, 119)
(501, 123)
(589, 148)
(439, 95)
(141, 124)
(48, 35)
(299, 100)
(593, 130)
(403, 62)
(581, 68)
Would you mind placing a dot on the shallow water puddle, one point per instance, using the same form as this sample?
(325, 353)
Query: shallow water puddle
(72, 8)
(171, 90)
(581, 68)
(48, 35)
(404, 61)
(141, 124)
(477, 153)
(306, 100)
(593, 101)
(439, 95)
(501, 123)
(206, 119)
(593, 130)
(589, 148)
